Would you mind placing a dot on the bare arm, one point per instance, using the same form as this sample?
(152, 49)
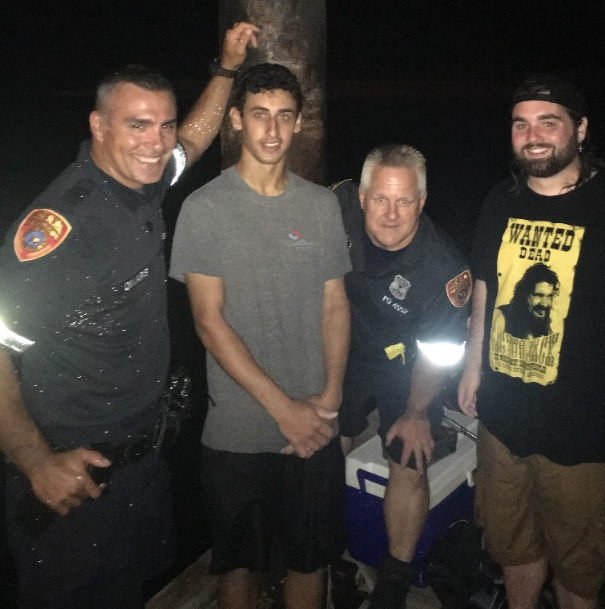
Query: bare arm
(413, 428)
(336, 324)
(471, 377)
(203, 122)
(20, 439)
(298, 422)
(59, 480)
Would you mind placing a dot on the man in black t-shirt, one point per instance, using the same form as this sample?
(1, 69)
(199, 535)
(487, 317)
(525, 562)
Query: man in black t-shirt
(535, 355)
(408, 292)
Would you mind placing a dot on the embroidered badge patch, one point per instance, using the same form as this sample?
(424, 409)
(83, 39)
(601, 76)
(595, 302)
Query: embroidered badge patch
(459, 289)
(41, 232)
(399, 287)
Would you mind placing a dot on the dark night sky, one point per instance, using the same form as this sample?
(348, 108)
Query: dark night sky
(53, 48)
(71, 42)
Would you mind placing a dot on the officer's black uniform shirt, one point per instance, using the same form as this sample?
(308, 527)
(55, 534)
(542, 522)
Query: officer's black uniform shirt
(400, 297)
(95, 307)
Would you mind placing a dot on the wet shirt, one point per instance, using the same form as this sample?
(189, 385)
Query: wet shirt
(82, 274)
(542, 384)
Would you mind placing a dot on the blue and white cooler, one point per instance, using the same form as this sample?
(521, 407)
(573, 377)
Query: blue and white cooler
(451, 497)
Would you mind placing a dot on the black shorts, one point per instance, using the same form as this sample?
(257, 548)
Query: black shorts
(100, 553)
(385, 388)
(268, 505)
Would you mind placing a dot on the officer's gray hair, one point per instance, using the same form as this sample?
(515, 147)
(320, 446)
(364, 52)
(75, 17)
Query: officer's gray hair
(394, 155)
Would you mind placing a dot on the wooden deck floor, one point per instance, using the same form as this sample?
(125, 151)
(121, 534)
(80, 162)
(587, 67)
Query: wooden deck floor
(195, 589)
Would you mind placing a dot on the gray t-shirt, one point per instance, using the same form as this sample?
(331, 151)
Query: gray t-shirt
(274, 255)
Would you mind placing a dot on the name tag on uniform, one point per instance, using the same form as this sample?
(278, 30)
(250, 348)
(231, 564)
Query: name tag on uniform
(131, 283)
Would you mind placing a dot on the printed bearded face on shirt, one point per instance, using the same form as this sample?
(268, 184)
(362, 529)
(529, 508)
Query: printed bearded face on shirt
(392, 205)
(540, 301)
(134, 135)
(266, 124)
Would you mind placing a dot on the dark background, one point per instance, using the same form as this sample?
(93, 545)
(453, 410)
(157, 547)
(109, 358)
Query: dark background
(446, 70)
(435, 74)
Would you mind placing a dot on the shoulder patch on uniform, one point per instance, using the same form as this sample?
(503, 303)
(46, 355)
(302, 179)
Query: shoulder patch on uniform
(459, 289)
(40, 233)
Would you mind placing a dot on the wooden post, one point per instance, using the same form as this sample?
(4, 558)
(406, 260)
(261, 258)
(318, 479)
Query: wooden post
(294, 35)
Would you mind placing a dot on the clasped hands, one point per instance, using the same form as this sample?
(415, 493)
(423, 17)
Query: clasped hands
(308, 425)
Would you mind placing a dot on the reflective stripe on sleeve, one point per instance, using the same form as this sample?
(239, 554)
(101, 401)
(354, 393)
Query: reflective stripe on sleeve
(442, 353)
(13, 341)
(180, 161)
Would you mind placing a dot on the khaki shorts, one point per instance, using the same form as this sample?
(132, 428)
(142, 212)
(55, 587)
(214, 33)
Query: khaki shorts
(531, 508)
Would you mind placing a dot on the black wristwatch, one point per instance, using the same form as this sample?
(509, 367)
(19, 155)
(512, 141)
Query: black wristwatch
(217, 70)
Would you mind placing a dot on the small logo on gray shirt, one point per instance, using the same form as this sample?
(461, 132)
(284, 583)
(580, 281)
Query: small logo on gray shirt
(295, 239)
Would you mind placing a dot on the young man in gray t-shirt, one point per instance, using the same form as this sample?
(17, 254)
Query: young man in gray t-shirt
(263, 254)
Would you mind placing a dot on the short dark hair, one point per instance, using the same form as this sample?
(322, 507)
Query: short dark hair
(265, 77)
(135, 74)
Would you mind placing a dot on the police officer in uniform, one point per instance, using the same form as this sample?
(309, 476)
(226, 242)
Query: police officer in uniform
(83, 279)
(408, 290)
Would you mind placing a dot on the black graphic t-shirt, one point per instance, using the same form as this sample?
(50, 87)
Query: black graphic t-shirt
(542, 386)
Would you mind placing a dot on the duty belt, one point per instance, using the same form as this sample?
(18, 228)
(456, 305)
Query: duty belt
(34, 517)
(131, 451)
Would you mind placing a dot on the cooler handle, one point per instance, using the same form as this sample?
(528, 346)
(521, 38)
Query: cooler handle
(362, 476)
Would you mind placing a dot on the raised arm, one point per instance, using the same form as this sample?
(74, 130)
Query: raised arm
(204, 120)
(471, 377)
(298, 422)
(59, 480)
